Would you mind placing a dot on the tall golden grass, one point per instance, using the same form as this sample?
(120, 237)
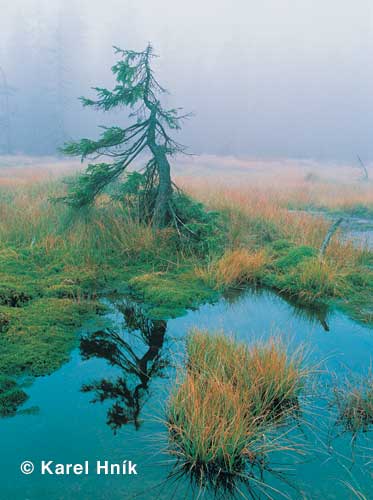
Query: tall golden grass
(28, 219)
(263, 191)
(228, 398)
(254, 190)
(239, 267)
(255, 199)
(283, 181)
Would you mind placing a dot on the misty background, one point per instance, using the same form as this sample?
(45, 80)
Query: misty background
(268, 78)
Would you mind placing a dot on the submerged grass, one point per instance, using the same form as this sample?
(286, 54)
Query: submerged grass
(226, 404)
(354, 402)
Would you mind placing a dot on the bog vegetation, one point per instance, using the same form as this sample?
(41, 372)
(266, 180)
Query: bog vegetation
(354, 402)
(55, 263)
(174, 248)
(227, 405)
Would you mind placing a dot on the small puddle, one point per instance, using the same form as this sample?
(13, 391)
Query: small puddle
(107, 402)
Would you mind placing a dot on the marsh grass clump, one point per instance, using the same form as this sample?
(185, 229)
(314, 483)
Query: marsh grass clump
(278, 377)
(227, 403)
(355, 405)
(314, 280)
(298, 272)
(239, 267)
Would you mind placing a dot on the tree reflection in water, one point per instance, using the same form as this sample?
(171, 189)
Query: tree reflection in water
(125, 350)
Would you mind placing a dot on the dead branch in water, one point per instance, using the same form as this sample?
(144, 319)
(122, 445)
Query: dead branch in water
(333, 228)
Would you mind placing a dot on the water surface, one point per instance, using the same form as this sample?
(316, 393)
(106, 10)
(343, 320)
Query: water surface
(127, 372)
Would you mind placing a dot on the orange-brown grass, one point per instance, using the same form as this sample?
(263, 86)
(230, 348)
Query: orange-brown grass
(279, 378)
(208, 428)
(29, 219)
(227, 399)
(253, 199)
(239, 267)
(257, 195)
(259, 216)
(294, 182)
(315, 279)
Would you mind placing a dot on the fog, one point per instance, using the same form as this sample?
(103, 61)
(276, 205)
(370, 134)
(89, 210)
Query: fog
(263, 78)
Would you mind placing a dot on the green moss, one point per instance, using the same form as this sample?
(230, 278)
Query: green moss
(282, 246)
(4, 321)
(170, 294)
(293, 257)
(47, 287)
(361, 281)
(14, 294)
(358, 305)
(40, 335)
(41, 307)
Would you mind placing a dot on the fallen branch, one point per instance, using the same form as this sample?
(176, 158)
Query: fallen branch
(333, 228)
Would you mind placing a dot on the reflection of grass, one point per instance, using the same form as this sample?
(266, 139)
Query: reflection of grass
(354, 491)
(226, 403)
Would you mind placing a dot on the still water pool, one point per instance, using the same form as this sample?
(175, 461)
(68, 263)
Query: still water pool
(107, 403)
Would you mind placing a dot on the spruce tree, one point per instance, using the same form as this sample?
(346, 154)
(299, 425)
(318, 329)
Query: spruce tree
(136, 88)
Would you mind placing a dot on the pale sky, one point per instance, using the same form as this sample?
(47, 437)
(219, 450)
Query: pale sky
(270, 78)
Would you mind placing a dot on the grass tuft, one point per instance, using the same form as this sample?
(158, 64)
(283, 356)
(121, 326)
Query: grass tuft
(355, 405)
(226, 404)
(239, 267)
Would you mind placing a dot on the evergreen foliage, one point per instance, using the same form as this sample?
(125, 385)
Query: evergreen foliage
(136, 88)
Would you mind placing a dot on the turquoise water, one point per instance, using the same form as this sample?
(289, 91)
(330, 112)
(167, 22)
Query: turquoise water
(107, 404)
